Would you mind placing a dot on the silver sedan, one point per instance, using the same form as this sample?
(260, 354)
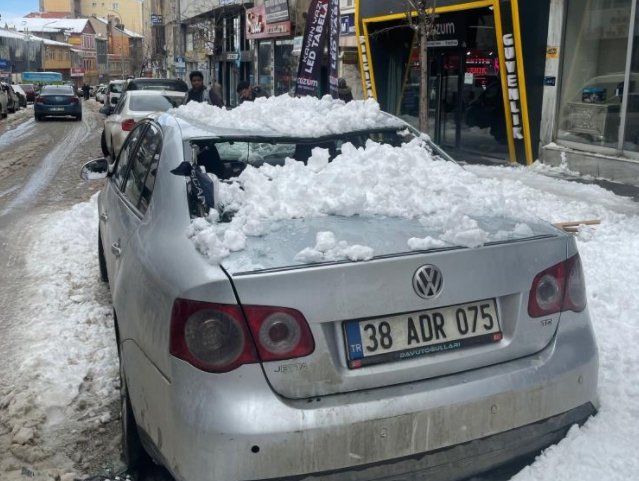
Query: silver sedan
(435, 363)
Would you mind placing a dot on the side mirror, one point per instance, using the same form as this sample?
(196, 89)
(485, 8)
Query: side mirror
(95, 169)
(105, 110)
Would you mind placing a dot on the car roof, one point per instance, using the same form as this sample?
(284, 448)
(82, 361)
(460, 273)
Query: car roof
(142, 93)
(143, 83)
(116, 81)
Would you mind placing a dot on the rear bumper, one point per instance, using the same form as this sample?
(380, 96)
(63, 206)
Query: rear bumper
(234, 428)
(57, 111)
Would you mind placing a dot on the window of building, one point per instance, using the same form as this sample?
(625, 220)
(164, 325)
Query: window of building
(285, 73)
(265, 65)
(94, 4)
(595, 71)
(115, 6)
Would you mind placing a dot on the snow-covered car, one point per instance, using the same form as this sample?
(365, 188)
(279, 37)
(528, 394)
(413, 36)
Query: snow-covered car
(22, 95)
(100, 94)
(134, 106)
(307, 289)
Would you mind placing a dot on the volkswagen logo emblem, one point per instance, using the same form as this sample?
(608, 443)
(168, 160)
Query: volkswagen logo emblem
(428, 282)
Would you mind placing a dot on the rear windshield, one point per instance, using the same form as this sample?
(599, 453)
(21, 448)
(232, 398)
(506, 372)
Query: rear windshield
(154, 103)
(155, 85)
(26, 87)
(227, 158)
(57, 91)
(117, 88)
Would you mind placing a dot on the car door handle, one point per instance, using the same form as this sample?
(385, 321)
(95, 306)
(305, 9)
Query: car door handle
(103, 217)
(115, 248)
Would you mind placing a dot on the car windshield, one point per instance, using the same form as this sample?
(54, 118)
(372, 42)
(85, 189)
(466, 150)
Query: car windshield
(117, 88)
(154, 103)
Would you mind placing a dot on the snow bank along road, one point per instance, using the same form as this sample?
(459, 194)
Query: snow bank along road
(58, 365)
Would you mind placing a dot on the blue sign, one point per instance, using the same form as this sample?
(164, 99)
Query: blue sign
(347, 25)
(42, 77)
(180, 60)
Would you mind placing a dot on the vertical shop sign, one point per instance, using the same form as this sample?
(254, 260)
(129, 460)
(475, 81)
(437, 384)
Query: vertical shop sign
(365, 66)
(513, 85)
(334, 48)
(310, 68)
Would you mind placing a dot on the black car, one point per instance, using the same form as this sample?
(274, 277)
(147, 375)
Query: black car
(57, 101)
(144, 83)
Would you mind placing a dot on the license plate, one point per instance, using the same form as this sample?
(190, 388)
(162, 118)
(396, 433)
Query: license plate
(57, 109)
(405, 336)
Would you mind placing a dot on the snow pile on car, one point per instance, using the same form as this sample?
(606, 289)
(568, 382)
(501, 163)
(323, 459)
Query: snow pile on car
(378, 180)
(306, 116)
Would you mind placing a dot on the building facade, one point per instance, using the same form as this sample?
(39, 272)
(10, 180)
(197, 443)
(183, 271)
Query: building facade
(591, 106)
(486, 72)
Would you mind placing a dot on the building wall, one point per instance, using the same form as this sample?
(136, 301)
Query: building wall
(130, 11)
(57, 57)
(57, 5)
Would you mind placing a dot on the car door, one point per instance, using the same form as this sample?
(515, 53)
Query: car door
(132, 201)
(111, 197)
(112, 124)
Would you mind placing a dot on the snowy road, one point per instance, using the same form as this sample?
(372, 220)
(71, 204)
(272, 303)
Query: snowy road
(58, 369)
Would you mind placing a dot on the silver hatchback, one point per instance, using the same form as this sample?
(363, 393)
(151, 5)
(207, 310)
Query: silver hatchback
(431, 363)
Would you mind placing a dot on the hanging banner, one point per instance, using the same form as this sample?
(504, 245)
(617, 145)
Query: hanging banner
(333, 48)
(310, 68)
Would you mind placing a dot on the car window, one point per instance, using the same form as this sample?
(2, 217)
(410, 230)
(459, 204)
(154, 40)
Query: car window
(138, 187)
(116, 88)
(122, 162)
(120, 105)
(154, 103)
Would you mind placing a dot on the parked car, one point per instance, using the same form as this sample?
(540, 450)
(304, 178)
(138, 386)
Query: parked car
(433, 362)
(4, 103)
(145, 83)
(22, 96)
(100, 94)
(57, 101)
(29, 89)
(114, 91)
(134, 106)
(13, 101)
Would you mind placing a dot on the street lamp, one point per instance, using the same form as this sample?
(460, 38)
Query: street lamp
(121, 40)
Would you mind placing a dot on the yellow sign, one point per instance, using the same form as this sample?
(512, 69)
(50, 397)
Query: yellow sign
(552, 52)
(91, 73)
(75, 41)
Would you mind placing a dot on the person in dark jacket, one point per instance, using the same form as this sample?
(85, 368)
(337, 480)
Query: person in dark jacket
(344, 91)
(199, 93)
(248, 93)
(85, 91)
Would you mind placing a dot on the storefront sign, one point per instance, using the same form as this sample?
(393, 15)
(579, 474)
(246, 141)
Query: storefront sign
(333, 48)
(308, 76)
(347, 24)
(157, 19)
(257, 27)
(449, 30)
(513, 85)
(366, 70)
(77, 72)
(276, 10)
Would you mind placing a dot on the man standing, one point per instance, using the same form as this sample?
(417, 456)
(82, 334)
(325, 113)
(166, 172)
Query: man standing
(248, 93)
(85, 90)
(199, 93)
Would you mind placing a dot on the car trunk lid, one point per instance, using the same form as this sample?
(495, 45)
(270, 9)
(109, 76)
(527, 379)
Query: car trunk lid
(492, 279)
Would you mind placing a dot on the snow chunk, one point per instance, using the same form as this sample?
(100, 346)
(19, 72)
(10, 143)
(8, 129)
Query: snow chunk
(328, 249)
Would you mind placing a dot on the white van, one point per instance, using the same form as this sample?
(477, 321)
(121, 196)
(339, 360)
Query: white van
(113, 94)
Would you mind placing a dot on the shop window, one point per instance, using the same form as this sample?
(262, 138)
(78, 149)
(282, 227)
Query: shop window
(285, 73)
(596, 43)
(265, 65)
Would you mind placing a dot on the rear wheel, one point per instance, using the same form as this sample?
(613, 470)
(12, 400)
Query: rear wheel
(134, 454)
(37, 118)
(104, 275)
(78, 117)
(103, 145)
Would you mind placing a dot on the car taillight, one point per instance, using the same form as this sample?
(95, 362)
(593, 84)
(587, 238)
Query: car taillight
(217, 338)
(211, 337)
(128, 124)
(558, 288)
(280, 333)
(39, 100)
(75, 100)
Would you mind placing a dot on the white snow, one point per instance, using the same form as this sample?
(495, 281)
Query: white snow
(72, 353)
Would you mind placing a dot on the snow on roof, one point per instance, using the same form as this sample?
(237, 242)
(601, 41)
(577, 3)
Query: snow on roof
(73, 25)
(128, 32)
(285, 115)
